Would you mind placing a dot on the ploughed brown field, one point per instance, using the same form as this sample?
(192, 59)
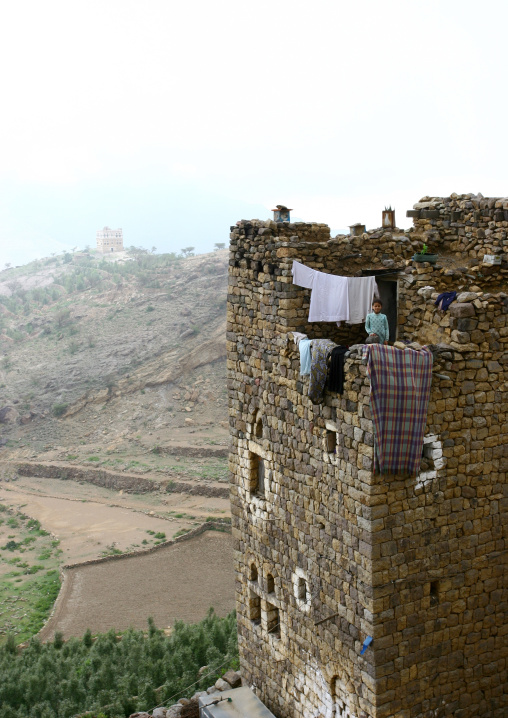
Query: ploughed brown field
(175, 582)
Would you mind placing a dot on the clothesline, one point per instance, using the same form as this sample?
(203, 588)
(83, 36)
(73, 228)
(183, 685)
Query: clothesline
(335, 298)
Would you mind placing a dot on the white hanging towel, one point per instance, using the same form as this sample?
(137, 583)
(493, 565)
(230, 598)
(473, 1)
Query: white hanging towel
(303, 276)
(329, 300)
(361, 292)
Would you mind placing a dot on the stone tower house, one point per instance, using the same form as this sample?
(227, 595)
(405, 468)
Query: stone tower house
(330, 555)
(109, 240)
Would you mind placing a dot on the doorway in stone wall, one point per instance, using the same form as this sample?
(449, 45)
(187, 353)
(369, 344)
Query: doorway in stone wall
(388, 292)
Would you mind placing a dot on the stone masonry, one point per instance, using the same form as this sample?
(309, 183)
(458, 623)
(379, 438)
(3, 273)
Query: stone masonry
(328, 553)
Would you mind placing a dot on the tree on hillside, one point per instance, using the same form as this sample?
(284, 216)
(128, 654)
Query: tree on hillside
(188, 251)
(15, 286)
(218, 245)
(137, 252)
(153, 250)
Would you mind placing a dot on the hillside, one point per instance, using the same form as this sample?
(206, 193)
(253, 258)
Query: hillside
(106, 361)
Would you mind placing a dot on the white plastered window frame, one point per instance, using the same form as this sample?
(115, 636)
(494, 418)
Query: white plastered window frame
(300, 577)
(331, 428)
(432, 449)
(257, 498)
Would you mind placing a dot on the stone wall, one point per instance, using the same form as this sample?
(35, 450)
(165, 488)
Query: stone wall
(330, 553)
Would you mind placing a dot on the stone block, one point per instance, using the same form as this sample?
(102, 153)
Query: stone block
(462, 310)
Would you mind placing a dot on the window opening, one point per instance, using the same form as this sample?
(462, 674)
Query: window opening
(434, 593)
(270, 583)
(427, 462)
(301, 589)
(331, 442)
(253, 572)
(254, 607)
(272, 620)
(258, 429)
(257, 475)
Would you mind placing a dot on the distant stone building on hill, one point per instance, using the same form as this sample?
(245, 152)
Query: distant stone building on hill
(360, 594)
(109, 240)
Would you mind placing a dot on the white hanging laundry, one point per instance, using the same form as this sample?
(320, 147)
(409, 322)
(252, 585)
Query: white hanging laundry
(334, 298)
(329, 300)
(303, 276)
(361, 292)
(298, 336)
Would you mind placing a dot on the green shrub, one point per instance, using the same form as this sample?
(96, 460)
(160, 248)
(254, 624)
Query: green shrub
(10, 546)
(181, 533)
(59, 409)
(34, 569)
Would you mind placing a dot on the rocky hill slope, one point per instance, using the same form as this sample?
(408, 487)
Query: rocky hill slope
(101, 357)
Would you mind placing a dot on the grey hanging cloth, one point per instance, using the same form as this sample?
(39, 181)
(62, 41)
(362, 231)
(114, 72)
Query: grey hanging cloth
(336, 374)
(321, 349)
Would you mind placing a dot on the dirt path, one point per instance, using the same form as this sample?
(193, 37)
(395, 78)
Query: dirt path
(175, 582)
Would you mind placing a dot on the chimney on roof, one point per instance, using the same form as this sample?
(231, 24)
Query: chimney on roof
(356, 230)
(388, 219)
(281, 213)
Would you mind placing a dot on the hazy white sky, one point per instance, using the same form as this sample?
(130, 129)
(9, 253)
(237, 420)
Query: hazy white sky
(175, 119)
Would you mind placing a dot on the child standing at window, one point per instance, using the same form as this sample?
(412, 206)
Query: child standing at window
(376, 325)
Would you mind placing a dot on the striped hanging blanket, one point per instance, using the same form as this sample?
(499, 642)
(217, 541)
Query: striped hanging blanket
(400, 382)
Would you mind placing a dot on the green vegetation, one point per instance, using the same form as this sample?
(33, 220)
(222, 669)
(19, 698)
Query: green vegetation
(27, 605)
(115, 675)
(111, 551)
(78, 274)
(59, 409)
(28, 592)
(181, 533)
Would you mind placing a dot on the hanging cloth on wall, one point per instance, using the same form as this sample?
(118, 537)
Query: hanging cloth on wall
(361, 292)
(445, 299)
(321, 349)
(305, 347)
(336, 373)
(335, 298)
(400, 381)
(302, 276)
(329, 301)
